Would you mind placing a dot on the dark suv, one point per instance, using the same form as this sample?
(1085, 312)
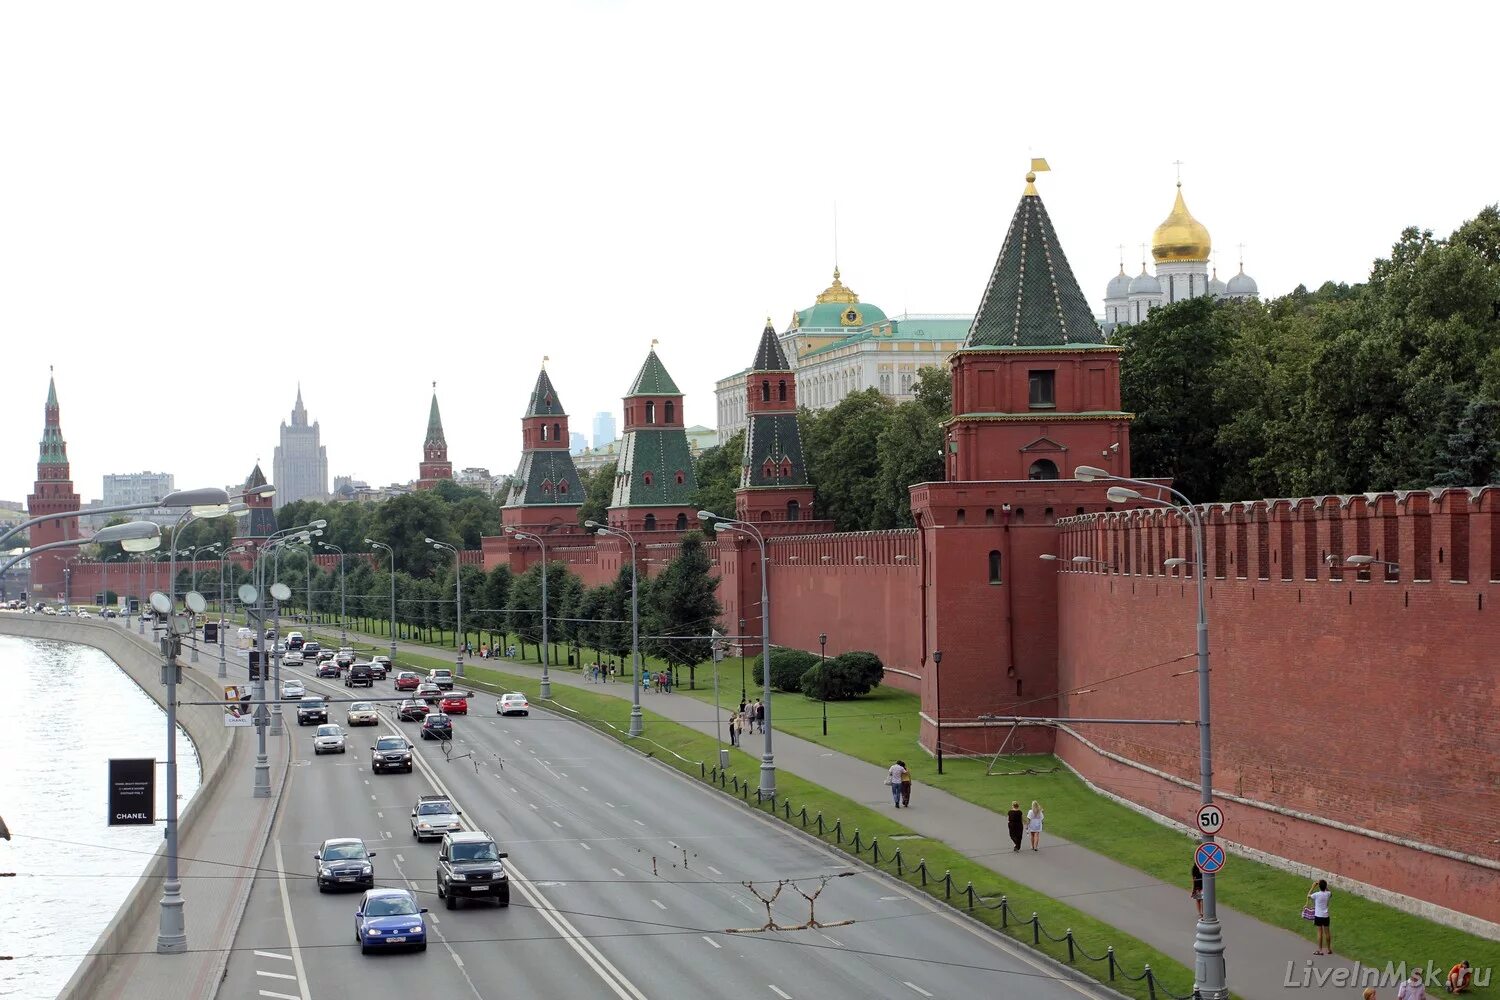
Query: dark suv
(391, 753)
(310, 649)
(469, 865)
(360, 675)
(312, 709)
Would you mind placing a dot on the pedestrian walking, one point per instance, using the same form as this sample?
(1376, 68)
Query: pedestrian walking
(1034, 823)
(1197, 892)
(742, 706)
(905, 784)
(1320, 895)
(1412, 988)
(760, 715)
(893, 778)
(734, 729)
(1015, 820)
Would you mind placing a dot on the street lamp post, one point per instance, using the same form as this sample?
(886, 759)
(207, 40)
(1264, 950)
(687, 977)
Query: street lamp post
(381, 545)
(343, 597)
(823, 676)
(193, 561)
(744, 693)
(546, 687)
(637, 724)
(768, 757)
(1210, 974)
(223, 604)
(937, 698)
(458, 595)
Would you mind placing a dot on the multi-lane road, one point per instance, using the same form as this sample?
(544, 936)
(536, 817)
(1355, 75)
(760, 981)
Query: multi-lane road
(626, 882)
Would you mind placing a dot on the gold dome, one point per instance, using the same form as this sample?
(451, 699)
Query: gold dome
(1180, 237)
(838, 291)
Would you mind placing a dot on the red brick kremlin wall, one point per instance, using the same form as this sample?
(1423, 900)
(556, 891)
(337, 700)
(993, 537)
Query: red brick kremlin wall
(1343, 700)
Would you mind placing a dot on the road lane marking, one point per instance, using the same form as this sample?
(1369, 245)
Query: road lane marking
(618, 872)
(659, 904)
(582, 789)
(460, 962)
(712, 941)
(274, 954)
(777, 990)
(379, 814)
(714, 870)
(586, 847)
(639, 823)
(557, 824)
(279, 996)
(400, 860)
(830, 940)
(276, 975)
(918, 989)
(610, 804)
(531, 804)
(291, 928)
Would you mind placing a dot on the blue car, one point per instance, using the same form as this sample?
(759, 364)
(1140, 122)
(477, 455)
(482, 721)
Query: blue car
(389, 918)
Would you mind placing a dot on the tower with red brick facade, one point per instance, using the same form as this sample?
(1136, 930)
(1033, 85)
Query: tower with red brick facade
(773, 473)
(260, 522)
(545, 493)
(435, 466)
(654, 482)
(52, 494)
(1036, 393)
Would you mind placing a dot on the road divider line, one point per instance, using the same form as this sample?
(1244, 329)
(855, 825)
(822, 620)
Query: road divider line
(918, 989)
(712, 941)
(291, 928)
(659, 904)
(275, 975)
(779, 992)
(618, 872)
(274, 954)
(279, 996)
(714, 870)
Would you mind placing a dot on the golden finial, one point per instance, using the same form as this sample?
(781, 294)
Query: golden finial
(1038, 164)
(654, 342)
(545, 359)
(434, 385)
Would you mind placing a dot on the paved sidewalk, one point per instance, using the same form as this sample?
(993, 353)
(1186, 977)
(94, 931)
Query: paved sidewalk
(1156, 912)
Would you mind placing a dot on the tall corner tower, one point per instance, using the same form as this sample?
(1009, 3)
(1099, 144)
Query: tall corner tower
(435, 466)
(654, 482)
(260, 523)
(52, 494)
(773, 473)
(546, 492)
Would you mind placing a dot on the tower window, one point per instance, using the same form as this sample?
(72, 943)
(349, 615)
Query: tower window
(562, 487)
(962, 517)
(793, 510)
(647, 478)
(781, 390)
(766, 470)
(1042, 389)
(544, 432)
(994, 566)
(557, 432)
(1042, 468)
(765, 391)
(680, 477)
(671, 410)
(989, 515)
(650, 411)
(650, 522)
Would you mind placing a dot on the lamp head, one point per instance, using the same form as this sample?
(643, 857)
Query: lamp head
(1047, 557)
(195, 498)
(1359, 560)
(207, 512)
(430, 541)
(592, 525)
(1089, 473)
(1122, 494)
(140, 544)
(369, 541)
(319, 523)
(131, 530)
(1174, 562)
(1082, 559)
(239, 510)
(708, 515)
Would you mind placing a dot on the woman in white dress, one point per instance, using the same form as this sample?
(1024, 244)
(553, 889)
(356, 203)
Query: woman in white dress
(1034, 823)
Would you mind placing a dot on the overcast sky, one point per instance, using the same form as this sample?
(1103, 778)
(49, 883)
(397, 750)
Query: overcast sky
(202, 203)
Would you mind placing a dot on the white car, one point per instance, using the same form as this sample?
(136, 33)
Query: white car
(514, 703)
(292, 689)
(433, 816)
(84, 614)
(292, 659)
(329, 739)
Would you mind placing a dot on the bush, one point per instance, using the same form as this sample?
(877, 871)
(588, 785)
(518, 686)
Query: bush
(787, 668)
(849, 675)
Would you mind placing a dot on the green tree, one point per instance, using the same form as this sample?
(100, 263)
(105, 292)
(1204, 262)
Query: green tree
(843, 458)
(909, 450)
(683, 608)
(404, 522)
(1471, 455)
(845, 677)
(934, 391)
(524, 612)
(497, 586)
(598, 489)
(718, 475)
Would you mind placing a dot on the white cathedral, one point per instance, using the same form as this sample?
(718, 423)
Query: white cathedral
(1181, 248)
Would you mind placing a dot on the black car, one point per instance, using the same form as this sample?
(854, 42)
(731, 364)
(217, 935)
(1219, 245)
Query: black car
(469, 865)
(343, 863)
(310, 649)
(380, 666)
(437, 726)
(360, 675)
(312, 710)
(412, 711)
(344, 658)
(391, 753)
(328, 669)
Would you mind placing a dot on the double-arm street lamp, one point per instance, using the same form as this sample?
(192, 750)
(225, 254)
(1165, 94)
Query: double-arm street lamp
(458, 596)
(343, 598)
(636, 722)
(381, 545)
(223, 607)
(768, 758)
(1208, 942)
(526, 536)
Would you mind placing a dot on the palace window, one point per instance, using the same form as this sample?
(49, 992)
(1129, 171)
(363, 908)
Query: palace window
(681, 522)
(793, 510)
(1042, 389)
(650, 522)
(1042, 468)
(995, 566)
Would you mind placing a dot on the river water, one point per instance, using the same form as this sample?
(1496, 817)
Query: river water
(71, 709)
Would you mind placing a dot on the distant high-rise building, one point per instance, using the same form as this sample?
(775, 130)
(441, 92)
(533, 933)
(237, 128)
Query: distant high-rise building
(576, 443)
(300, 464)
(136, 487)
(604, 428)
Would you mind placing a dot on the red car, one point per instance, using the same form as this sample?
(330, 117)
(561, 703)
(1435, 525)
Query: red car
(407, 681)
(454, 703)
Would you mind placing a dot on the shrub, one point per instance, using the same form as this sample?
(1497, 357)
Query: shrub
(849, 675)
(787, 668)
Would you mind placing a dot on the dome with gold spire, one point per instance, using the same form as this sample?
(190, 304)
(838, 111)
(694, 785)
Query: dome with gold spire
(1180, 236)
(837, 307)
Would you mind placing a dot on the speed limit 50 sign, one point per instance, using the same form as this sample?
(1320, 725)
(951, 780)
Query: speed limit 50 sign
(1210, 819)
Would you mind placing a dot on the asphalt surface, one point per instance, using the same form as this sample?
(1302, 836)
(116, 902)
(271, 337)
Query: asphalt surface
(626, 882)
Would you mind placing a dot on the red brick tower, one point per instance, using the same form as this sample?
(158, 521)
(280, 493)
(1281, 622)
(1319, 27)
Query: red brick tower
(435, 465)
(1036, 392)
(654, 482)
(545, 493)
(773, 474)
(258, 525)
(53, 494)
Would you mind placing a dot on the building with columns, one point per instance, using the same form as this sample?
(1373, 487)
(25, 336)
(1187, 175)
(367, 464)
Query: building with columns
(52, 494)
(300, 463)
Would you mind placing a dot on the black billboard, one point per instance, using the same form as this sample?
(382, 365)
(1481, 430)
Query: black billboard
(255, 664)
(132, 791)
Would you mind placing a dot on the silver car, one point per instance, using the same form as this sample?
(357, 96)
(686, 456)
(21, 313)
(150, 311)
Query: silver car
(433, 816)
(328, 739)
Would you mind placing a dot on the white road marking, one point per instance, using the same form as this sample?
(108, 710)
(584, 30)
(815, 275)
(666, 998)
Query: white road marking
(562, 775)
(372, 798)
(714, 870)
(531, 804)
(618, 872)
(712, 941)
(918, 989)
(274, 954)
(637, 822)
(779, 992)
(386, 834)
(367, 781)
(833, 941)
(291, 928)
(279, 996)
(586, 847)
(610, 804)
(557, 824)
(276, 975)
(582, 789)
(380, 814)
(659, 904)
(512, 791)
(460, 962)
(400, 860)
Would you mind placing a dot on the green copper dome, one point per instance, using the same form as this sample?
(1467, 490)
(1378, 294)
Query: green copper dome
(838, 307)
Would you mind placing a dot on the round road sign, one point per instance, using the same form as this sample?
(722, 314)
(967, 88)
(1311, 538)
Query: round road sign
(1209, 858)
(1210, 819)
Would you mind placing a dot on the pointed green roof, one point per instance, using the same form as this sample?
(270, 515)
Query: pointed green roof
(51, 392)
(770, 357)
(256, 478)
(435, 425)
(653, 379)
(544, 401)
(1032, 299)
(54, 450)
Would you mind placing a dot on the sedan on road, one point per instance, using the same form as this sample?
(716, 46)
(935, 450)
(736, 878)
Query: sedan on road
(328, 669)
(343, 862)
(412, 711)
(391, 753)
(430, 693)
(442, 677)
(292, 689)
(362, 713)
(408, 680)
(437, 726)
(454, 703)
(328, 739)
(514, 703)
(389, 918)
(433, 816)
(381, 666)
(292, 659)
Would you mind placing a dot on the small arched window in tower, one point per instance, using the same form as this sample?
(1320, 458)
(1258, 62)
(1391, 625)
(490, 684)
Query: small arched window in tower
(962, 515)
(650, 411)
(646, 478)
(1047, 515)
(765, 390)
(650, 522)
(765, 515)
(793, 510)
(680, 478)
(786, 468)
(1042, 468)
(989, 515)
(1020, 515)
(557, 432)
(767, 470)
(546, 486)
(781, 391)
(994, 566)
(562, 487)
(681, 522)
(671, 410)
(544, 432)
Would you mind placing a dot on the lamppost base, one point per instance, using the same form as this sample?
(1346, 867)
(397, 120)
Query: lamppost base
(223, 668)
(1209, 974)
(459, 668)
(194, 657)
(171, 937)
(276, 729)
(546, 689)
(767, 777)
(637, 725)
